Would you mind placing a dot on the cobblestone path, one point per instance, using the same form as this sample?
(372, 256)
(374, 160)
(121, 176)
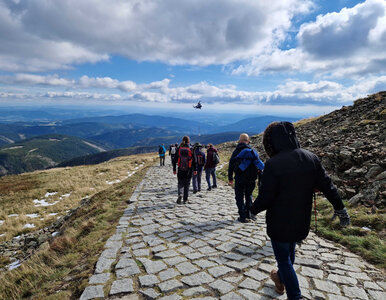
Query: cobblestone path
(162, 250)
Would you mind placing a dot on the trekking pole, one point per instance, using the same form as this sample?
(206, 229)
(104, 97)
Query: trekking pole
(316, 220)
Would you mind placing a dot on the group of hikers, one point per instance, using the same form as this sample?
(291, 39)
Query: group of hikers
(287, 182)
(189, 162)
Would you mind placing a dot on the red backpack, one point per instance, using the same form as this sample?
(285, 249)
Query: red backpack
(184, 158)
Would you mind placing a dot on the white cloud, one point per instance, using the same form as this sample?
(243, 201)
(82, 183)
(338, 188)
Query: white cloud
(291, 92)
(349, 43)
(45, 35)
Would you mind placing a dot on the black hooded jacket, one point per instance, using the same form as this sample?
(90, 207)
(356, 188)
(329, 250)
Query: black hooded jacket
(289, 178)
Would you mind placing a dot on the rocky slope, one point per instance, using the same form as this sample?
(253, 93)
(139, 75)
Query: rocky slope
(351, 142)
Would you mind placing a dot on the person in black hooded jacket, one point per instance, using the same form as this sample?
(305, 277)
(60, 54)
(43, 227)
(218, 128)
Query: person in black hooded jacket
(288, 182)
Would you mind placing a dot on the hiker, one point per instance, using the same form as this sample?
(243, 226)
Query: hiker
(212, 159)
(161, 153)
(173, 151)
(184, 160)
(289, 179)
(246, 165)
(199, 157)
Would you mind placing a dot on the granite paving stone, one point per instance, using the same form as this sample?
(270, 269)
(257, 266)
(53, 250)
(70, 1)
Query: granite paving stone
(148, 280)
(99, 278)
(92, 292)
(219, 271)
(222, 286)
(122, 286)
(170, 285)
(162, 250)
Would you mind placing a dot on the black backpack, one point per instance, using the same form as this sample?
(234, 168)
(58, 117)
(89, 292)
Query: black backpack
(200, 158)
(161, 150)
(216, 158)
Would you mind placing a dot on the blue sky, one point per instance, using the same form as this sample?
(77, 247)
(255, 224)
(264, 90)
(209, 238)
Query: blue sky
(294, 57)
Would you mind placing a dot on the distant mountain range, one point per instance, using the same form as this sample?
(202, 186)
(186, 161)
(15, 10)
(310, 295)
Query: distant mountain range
(28, 146)
(128, 130)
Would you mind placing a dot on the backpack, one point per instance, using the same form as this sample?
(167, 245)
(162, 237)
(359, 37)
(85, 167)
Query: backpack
(173, 150)
(184, 158)
(161, 150)
(200, 159)
(216, 158)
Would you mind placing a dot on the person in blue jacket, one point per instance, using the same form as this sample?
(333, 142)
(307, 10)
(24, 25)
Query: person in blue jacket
(161, 153)
(246, 165)
(290, 176)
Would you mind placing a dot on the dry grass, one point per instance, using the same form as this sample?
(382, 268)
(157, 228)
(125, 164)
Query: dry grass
(70, 185)
(305, 121)
(60, 269)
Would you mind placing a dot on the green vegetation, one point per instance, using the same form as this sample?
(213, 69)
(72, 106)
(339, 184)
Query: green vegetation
(42, 152)
(61, 268)
(365, 236)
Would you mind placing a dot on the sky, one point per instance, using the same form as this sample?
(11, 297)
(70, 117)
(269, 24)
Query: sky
(293, 57)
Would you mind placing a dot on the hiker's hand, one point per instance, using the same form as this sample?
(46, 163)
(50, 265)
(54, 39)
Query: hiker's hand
(230, 182)
(195, 173)
(174, 172)
(343, 216)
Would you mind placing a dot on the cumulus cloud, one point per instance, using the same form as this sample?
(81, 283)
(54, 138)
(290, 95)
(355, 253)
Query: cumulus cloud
(291, 92)
(49, 34)
(346, 43)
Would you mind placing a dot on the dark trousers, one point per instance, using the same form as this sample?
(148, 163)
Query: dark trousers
(197, 181)
(162, 160)
(211, 172)
(244, 190)
(183, 187)
(285, 258)
(172, 156)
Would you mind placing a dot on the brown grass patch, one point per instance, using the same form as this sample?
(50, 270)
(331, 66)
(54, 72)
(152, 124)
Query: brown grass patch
(71, 184)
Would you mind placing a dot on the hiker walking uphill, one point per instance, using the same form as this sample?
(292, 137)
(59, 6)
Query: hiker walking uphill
(186, 164)
(212, 159)
(289, 179)
(161, 153)
(246, 165)
(199, 157)
(173, 151)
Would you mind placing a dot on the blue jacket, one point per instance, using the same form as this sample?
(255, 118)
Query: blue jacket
(240, 176)
(164, 151)
(249, 156)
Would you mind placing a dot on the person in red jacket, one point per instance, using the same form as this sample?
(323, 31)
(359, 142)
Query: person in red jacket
(184, 160)
(210, 166)
(289, 179)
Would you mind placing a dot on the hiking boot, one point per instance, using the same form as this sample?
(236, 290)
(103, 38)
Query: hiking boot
(185, 201)
(209, 189)
(214, 186)
(251, 216)
(194, 192)
(242, 220)
(279, 287)
(179, 200)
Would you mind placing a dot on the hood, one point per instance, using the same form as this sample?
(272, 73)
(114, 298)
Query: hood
(284, 137)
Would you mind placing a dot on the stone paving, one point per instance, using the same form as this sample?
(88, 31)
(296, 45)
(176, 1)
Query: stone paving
(162, 250)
